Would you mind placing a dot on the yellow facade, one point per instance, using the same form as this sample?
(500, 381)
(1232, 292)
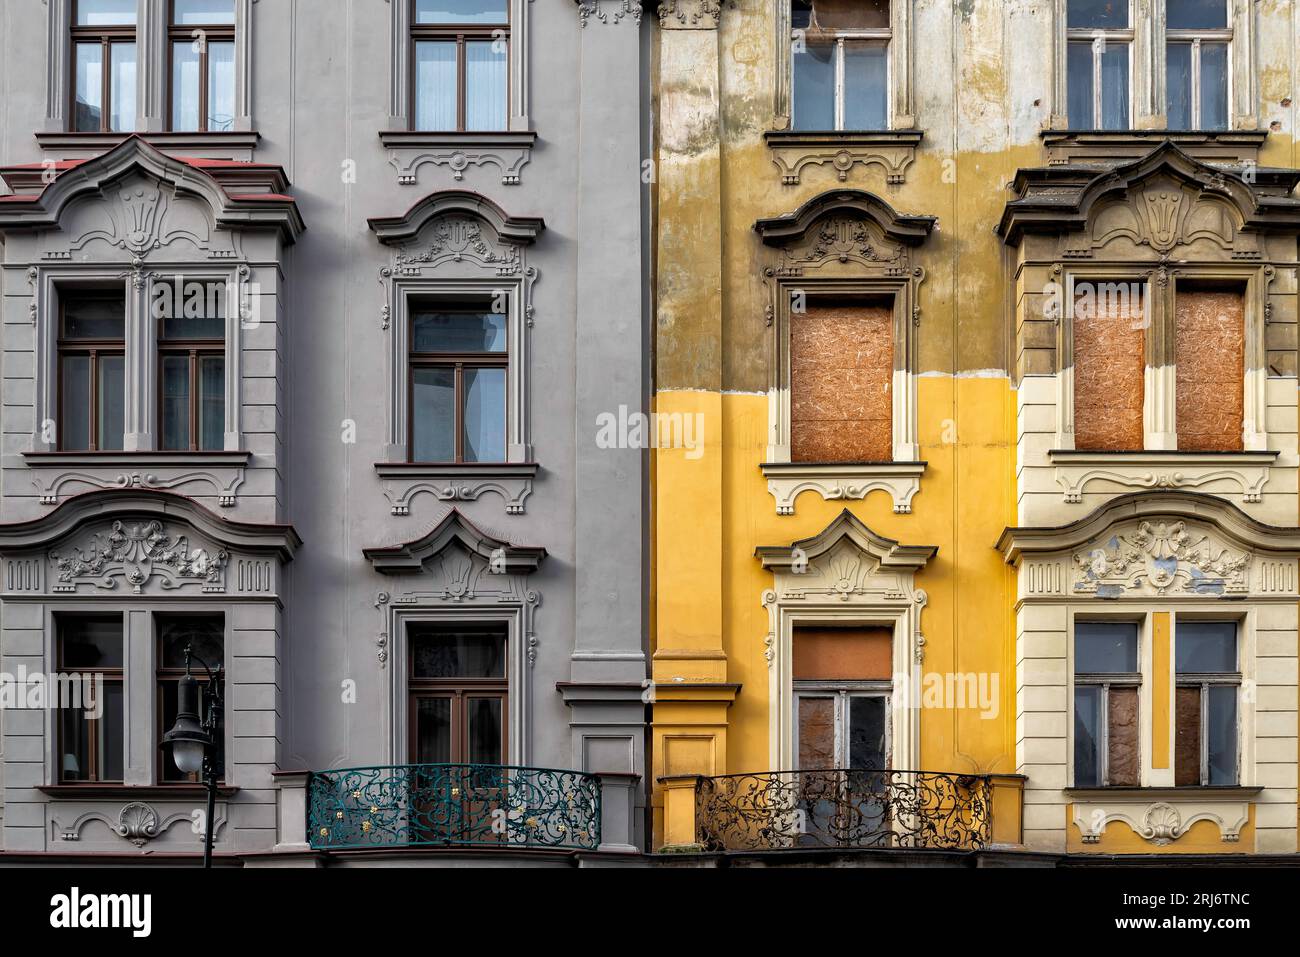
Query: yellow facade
(981, 89)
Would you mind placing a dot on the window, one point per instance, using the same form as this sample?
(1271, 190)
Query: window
(1198, 37)
(1109, 322)
(841, 377)
(1208, 679)
(201, 35)
(842, 695)
(204, 636)
(458, 365)
(1106, 686)
(840, 62)
(1209, 332)
(458, 694)
(1099, 39)
(104, 64)
(459, 65)
(91, 740)
(192, 378)
(92, 371)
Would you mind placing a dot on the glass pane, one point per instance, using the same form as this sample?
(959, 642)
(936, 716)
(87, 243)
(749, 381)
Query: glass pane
(1122, 766)
(203, 12)
(1222, 734)
(866, 67)
(74, 739)
(112, 402)
(485, 85)
(850, 14)
(458, 332)
(1114, 87)
(433, 415)
(867, 746)
(186, 63)
(1087, 727)
(485, 415)
(175, 403)
(1105, 647)
(103, 13)
(87, 642)
(1196, 14)
(444, 652)
(190, 308)
(212, 403)
(1079, 86)
(221, 86)
(461, 11)
(92, 749)
(94, 318)
(74, 429)
(801, 14)
(435, 85)
(814, 88)
(204, 634)
(816, 733)
(484, 719)
(1178, 57)
(1097, 13)
(1187, 736)
(123, 87)
(433, 730)
(1202, 647)
(111, 739)
(90, 82)
(1214, 86)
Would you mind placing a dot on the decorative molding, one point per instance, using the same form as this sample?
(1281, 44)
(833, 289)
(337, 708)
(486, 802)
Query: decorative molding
(689, 14)
(56, 475)
(136, 822)
(892, 151)
(237, 146)
(1157, 558)
(843, 482)
(1160, 822)
(499, 556)
(138, 553)
(587, 9)
(408, 152)
(1243, 472)
(456, 482)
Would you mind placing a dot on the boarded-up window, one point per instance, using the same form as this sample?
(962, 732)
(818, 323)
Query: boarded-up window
(1109, 323)
(843, 654)
(817, 733)
(841, 383)
(1210, 333)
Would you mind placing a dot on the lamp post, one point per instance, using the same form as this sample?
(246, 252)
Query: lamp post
(193, 739)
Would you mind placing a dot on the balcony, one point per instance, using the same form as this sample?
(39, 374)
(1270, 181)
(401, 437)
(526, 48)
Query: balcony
(842, 808)
(453, 805)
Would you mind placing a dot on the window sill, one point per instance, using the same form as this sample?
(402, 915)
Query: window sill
(58, 475)
(842, 481)
(238, 146)
(1219, 473)
(1066, 147)
(1161, 815)
(408, 151)
(121, 791)
(457, 482)
(795, 150)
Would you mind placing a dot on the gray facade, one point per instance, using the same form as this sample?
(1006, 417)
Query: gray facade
(310, 530)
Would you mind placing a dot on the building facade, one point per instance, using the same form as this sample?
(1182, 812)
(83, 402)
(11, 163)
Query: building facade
(306, 310)
(688, 433)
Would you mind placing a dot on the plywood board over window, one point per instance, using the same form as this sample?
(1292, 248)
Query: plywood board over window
(841, 382)
(843, 654)
(1210, 336)
(1109, 367)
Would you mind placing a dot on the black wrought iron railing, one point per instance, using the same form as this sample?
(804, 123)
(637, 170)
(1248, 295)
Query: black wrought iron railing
(481, 805)
(843, 808)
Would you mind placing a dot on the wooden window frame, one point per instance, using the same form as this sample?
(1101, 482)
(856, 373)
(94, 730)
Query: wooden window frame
(177, 33)
(1204, 681)
(164, 676)
(461, 33)
(1100, 38)
(196, 350)
(458, 362)
(459, 691)
(1194, 38)
(107, 36)
(115, 676)
(94, 348)
(1107, 680)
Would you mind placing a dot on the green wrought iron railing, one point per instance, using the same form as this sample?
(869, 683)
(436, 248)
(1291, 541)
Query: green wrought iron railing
(445, 805)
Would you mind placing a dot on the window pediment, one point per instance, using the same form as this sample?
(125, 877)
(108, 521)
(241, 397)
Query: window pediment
(452, 543)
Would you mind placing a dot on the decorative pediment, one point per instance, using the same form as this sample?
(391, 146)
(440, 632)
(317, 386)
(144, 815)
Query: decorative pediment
(138, 555)
(845, 204)
(429, 220)
(139, 199)
(449, 546)
(1162, 200)
(1167, 544)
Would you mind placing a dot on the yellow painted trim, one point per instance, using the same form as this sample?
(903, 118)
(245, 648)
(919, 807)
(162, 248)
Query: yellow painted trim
(1160, 679)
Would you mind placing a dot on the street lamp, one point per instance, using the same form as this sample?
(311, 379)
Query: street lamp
(193, 740)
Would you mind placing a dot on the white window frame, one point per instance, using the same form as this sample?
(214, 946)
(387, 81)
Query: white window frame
(882, 36)
(842, 692)
(1194, 38)
(1101, 38)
